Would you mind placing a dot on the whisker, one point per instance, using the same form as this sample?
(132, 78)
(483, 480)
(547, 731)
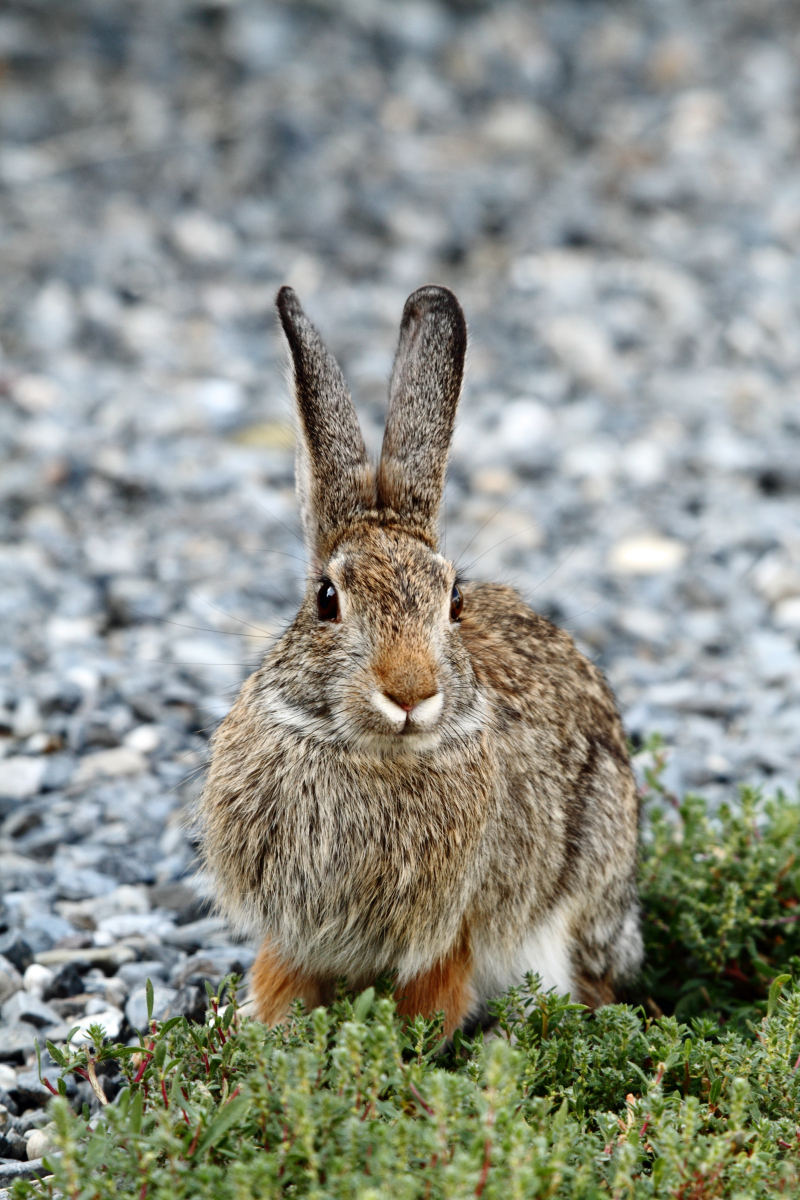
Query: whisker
(510, 538)
(291, 532)
(478, 532)
(555, 568)
(197, 628)
(228, 615)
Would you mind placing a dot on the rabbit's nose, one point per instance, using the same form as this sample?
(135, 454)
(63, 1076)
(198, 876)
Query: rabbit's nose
(406, 680)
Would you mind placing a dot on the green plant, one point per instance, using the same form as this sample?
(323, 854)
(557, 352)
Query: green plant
(349, 1103)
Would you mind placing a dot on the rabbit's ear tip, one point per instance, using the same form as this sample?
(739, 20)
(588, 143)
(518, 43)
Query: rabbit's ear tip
(287, 302)
(433, 295)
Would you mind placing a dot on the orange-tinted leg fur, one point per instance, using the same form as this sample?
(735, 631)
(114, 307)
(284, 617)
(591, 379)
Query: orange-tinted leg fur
(446, 987)
(275, 985)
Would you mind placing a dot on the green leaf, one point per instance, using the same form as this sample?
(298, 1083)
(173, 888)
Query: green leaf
(774, 992)
(224, 1120)
(363, 1004)
(560, 1116)
(149, 994)
(137, 1105)
(56, 1054)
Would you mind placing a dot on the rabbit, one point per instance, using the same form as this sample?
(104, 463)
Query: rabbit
(423, 776)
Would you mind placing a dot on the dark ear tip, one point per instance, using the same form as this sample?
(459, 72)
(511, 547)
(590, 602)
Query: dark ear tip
(288, 305)
(436, 301)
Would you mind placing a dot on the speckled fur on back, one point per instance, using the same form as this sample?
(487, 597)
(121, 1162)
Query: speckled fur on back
(402, 785)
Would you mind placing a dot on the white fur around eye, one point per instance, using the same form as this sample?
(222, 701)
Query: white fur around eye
(427, 711)
(393, 712)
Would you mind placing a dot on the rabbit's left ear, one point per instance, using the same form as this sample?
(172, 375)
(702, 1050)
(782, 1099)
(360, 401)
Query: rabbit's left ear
(335, 481)
(423, 393)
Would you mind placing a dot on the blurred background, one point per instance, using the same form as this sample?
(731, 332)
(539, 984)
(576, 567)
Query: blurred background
(612, 189)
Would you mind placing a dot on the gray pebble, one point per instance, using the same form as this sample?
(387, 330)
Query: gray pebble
(22, 1006)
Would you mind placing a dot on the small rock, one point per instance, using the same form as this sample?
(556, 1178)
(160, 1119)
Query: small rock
(17, 951)
(17, 1042)
(647, 554)
(196, 934)
(13, 1145)
(36, 979)
(191, 1002)
(135, 974)
(65, 982)
(30, 1090)
(21, 776)
(10, 982)
(40, 1142)
(8, 1077)
(22, 1006)
(9, 1171)
(109, 764)
(109, 958)
(136, 1008)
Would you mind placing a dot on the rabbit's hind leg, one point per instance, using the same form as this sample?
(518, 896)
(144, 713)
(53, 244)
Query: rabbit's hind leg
(445, 987)
(274, 984)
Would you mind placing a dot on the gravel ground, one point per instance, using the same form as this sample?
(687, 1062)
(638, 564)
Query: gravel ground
(613, 190)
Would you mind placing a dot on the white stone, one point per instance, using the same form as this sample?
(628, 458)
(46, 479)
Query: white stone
(643, 462)
(202, 238)
(39, 1142)
(36, 979)
(70, 631)
(27, 718)
(36, 393)
(21, 777)
(144, 738)
(584, 349)
(590, 460)
(787, 613)
(110, 764)
(646, 554)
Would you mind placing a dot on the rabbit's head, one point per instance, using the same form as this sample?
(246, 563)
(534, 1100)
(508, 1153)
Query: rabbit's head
(375, 658)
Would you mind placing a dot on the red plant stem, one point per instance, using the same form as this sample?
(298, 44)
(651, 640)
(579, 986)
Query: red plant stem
(417, 1097)
(487, 1162)
(233, 1094)
(143, 1065)
(143, 1192)
(196, 1137)
(164, 1093)
(646, 1123)
(50, 1087)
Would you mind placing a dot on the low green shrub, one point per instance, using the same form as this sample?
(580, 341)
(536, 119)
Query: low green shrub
(700, 1102)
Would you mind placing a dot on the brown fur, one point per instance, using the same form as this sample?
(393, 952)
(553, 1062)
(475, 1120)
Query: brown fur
(361, 831)
(274, 985)
(446, 988)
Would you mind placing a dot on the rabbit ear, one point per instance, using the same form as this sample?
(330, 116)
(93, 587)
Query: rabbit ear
(423, 393)
(335, 482)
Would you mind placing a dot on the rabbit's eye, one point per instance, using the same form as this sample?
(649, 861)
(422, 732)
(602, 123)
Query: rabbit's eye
(456, 603)
(327, 602)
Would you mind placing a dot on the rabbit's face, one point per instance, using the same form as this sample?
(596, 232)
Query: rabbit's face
(390, 674)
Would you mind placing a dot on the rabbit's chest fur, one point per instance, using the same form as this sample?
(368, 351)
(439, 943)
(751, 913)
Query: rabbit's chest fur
(348, 862)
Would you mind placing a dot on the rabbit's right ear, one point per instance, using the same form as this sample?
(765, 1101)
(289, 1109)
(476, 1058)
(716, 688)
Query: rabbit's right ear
(335, 481)
(423, 393)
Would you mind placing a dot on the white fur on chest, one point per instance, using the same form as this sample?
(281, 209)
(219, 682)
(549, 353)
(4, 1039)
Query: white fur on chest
(546, 951)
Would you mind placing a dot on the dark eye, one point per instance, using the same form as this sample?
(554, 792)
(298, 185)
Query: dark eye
(327, 602)
(456, 603)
